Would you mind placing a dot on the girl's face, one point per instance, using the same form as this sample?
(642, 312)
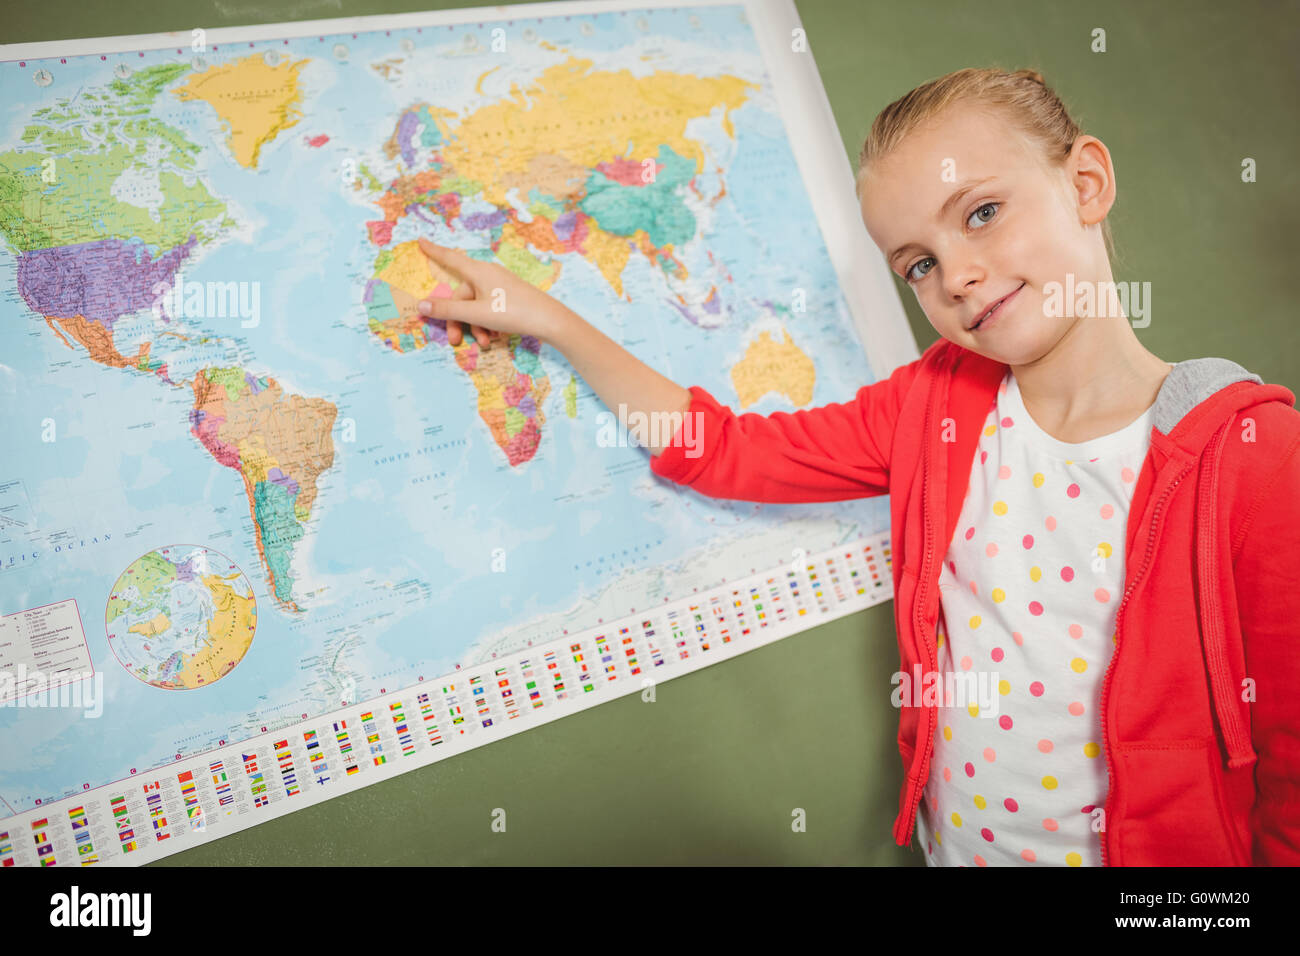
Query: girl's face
(968, 212)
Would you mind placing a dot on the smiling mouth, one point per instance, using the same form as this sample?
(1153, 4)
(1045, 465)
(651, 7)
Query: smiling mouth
(993, 309)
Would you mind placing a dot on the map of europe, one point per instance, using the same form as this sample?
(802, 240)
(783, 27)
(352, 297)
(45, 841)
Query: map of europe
(269, 483)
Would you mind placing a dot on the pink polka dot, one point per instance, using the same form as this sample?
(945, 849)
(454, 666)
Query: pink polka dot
(1018, 638)
(984, 456)
(1067, 574)
(970, 532)
(947, 775)
(1007, 422)
(1050, 522)
(970, 769)
(1076, 631)
(1029, 856)
(966, 663)
(1076, 709)
(989, 755)
(1127, 474)
(952, 567)
(987, 834)
(1045, 746)
(1004, 472)
(1035, 608)
(1036, 688)
(1107, 511)
(973, 589)
(1050, 824)
(980, 861)
(1073, 490)
(1102, 595)
(1027, 541)
(997, 655)
(1011, 804)
(991, 550)
(1004, 722)
(1088, 809)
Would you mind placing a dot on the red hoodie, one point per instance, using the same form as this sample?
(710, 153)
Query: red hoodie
(1199, 704)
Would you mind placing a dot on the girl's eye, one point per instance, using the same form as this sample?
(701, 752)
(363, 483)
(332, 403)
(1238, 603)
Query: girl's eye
(909, 274)
(990, 207)
(978, 219)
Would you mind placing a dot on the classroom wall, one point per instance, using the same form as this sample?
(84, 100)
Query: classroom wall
(711, 772)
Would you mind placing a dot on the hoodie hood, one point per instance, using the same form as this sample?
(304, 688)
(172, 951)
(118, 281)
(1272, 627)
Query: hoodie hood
(1191, 383)
(1194, 414)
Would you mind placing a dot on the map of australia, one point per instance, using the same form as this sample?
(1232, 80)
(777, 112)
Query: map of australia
(270, 485)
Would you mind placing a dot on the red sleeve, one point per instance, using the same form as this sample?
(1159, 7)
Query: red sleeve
(1268, 606)
(831, 453)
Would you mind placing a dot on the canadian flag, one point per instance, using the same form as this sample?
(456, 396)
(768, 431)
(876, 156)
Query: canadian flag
(151, 786)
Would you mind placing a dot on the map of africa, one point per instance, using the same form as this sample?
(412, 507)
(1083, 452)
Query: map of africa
(210, 356)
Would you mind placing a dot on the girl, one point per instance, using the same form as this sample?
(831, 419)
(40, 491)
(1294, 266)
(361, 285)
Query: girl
(1103, 536)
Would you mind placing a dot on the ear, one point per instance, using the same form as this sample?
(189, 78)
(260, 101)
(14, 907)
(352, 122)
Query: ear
(1092, 176)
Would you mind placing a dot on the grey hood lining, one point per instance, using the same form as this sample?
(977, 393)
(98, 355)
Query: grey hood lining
(1191, 382)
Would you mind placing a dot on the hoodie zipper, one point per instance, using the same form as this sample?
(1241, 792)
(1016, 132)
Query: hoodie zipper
(923, 578)
(1119, 618)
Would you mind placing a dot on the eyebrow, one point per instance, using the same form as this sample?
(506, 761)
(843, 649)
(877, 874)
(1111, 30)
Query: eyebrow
(957, 195)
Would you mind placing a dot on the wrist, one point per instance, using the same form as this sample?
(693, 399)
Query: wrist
(559, 326)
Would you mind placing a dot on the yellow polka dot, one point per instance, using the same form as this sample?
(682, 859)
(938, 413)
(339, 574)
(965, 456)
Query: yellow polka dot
(974, 621)
(1038, 479)
(999, 595)
(980, 802)
(938, 838)
(939, 642)
(989, 430)
(1049, 783)
(1068, 462)
(947, 732)
(1078, 665)
(973, 709)
(1114, 638)
(1035, 573)
(1091, 749)
(1073, 859)
(1004, 687)
(1104, 549)
(999, 507)
(956, 819)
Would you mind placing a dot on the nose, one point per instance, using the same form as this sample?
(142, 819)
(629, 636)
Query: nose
(962, 274)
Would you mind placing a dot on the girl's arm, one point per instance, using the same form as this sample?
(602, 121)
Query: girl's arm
(831, 453)
(491, 298)
(837, 451)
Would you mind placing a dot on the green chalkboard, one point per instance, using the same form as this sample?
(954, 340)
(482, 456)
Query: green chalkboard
(711, 772)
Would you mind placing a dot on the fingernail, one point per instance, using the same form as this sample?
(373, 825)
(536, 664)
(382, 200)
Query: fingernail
(426, 308)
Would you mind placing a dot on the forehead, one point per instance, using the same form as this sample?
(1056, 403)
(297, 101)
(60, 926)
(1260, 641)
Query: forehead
(964, 142)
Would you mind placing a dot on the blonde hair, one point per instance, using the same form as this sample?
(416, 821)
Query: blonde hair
(1022, 96)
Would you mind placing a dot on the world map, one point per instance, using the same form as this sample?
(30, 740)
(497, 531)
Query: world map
(209, 334)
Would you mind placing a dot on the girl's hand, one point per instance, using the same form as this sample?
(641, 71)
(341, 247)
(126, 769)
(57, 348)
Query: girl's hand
(490, 299)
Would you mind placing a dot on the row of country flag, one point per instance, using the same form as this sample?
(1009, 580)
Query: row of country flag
(467, 705)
